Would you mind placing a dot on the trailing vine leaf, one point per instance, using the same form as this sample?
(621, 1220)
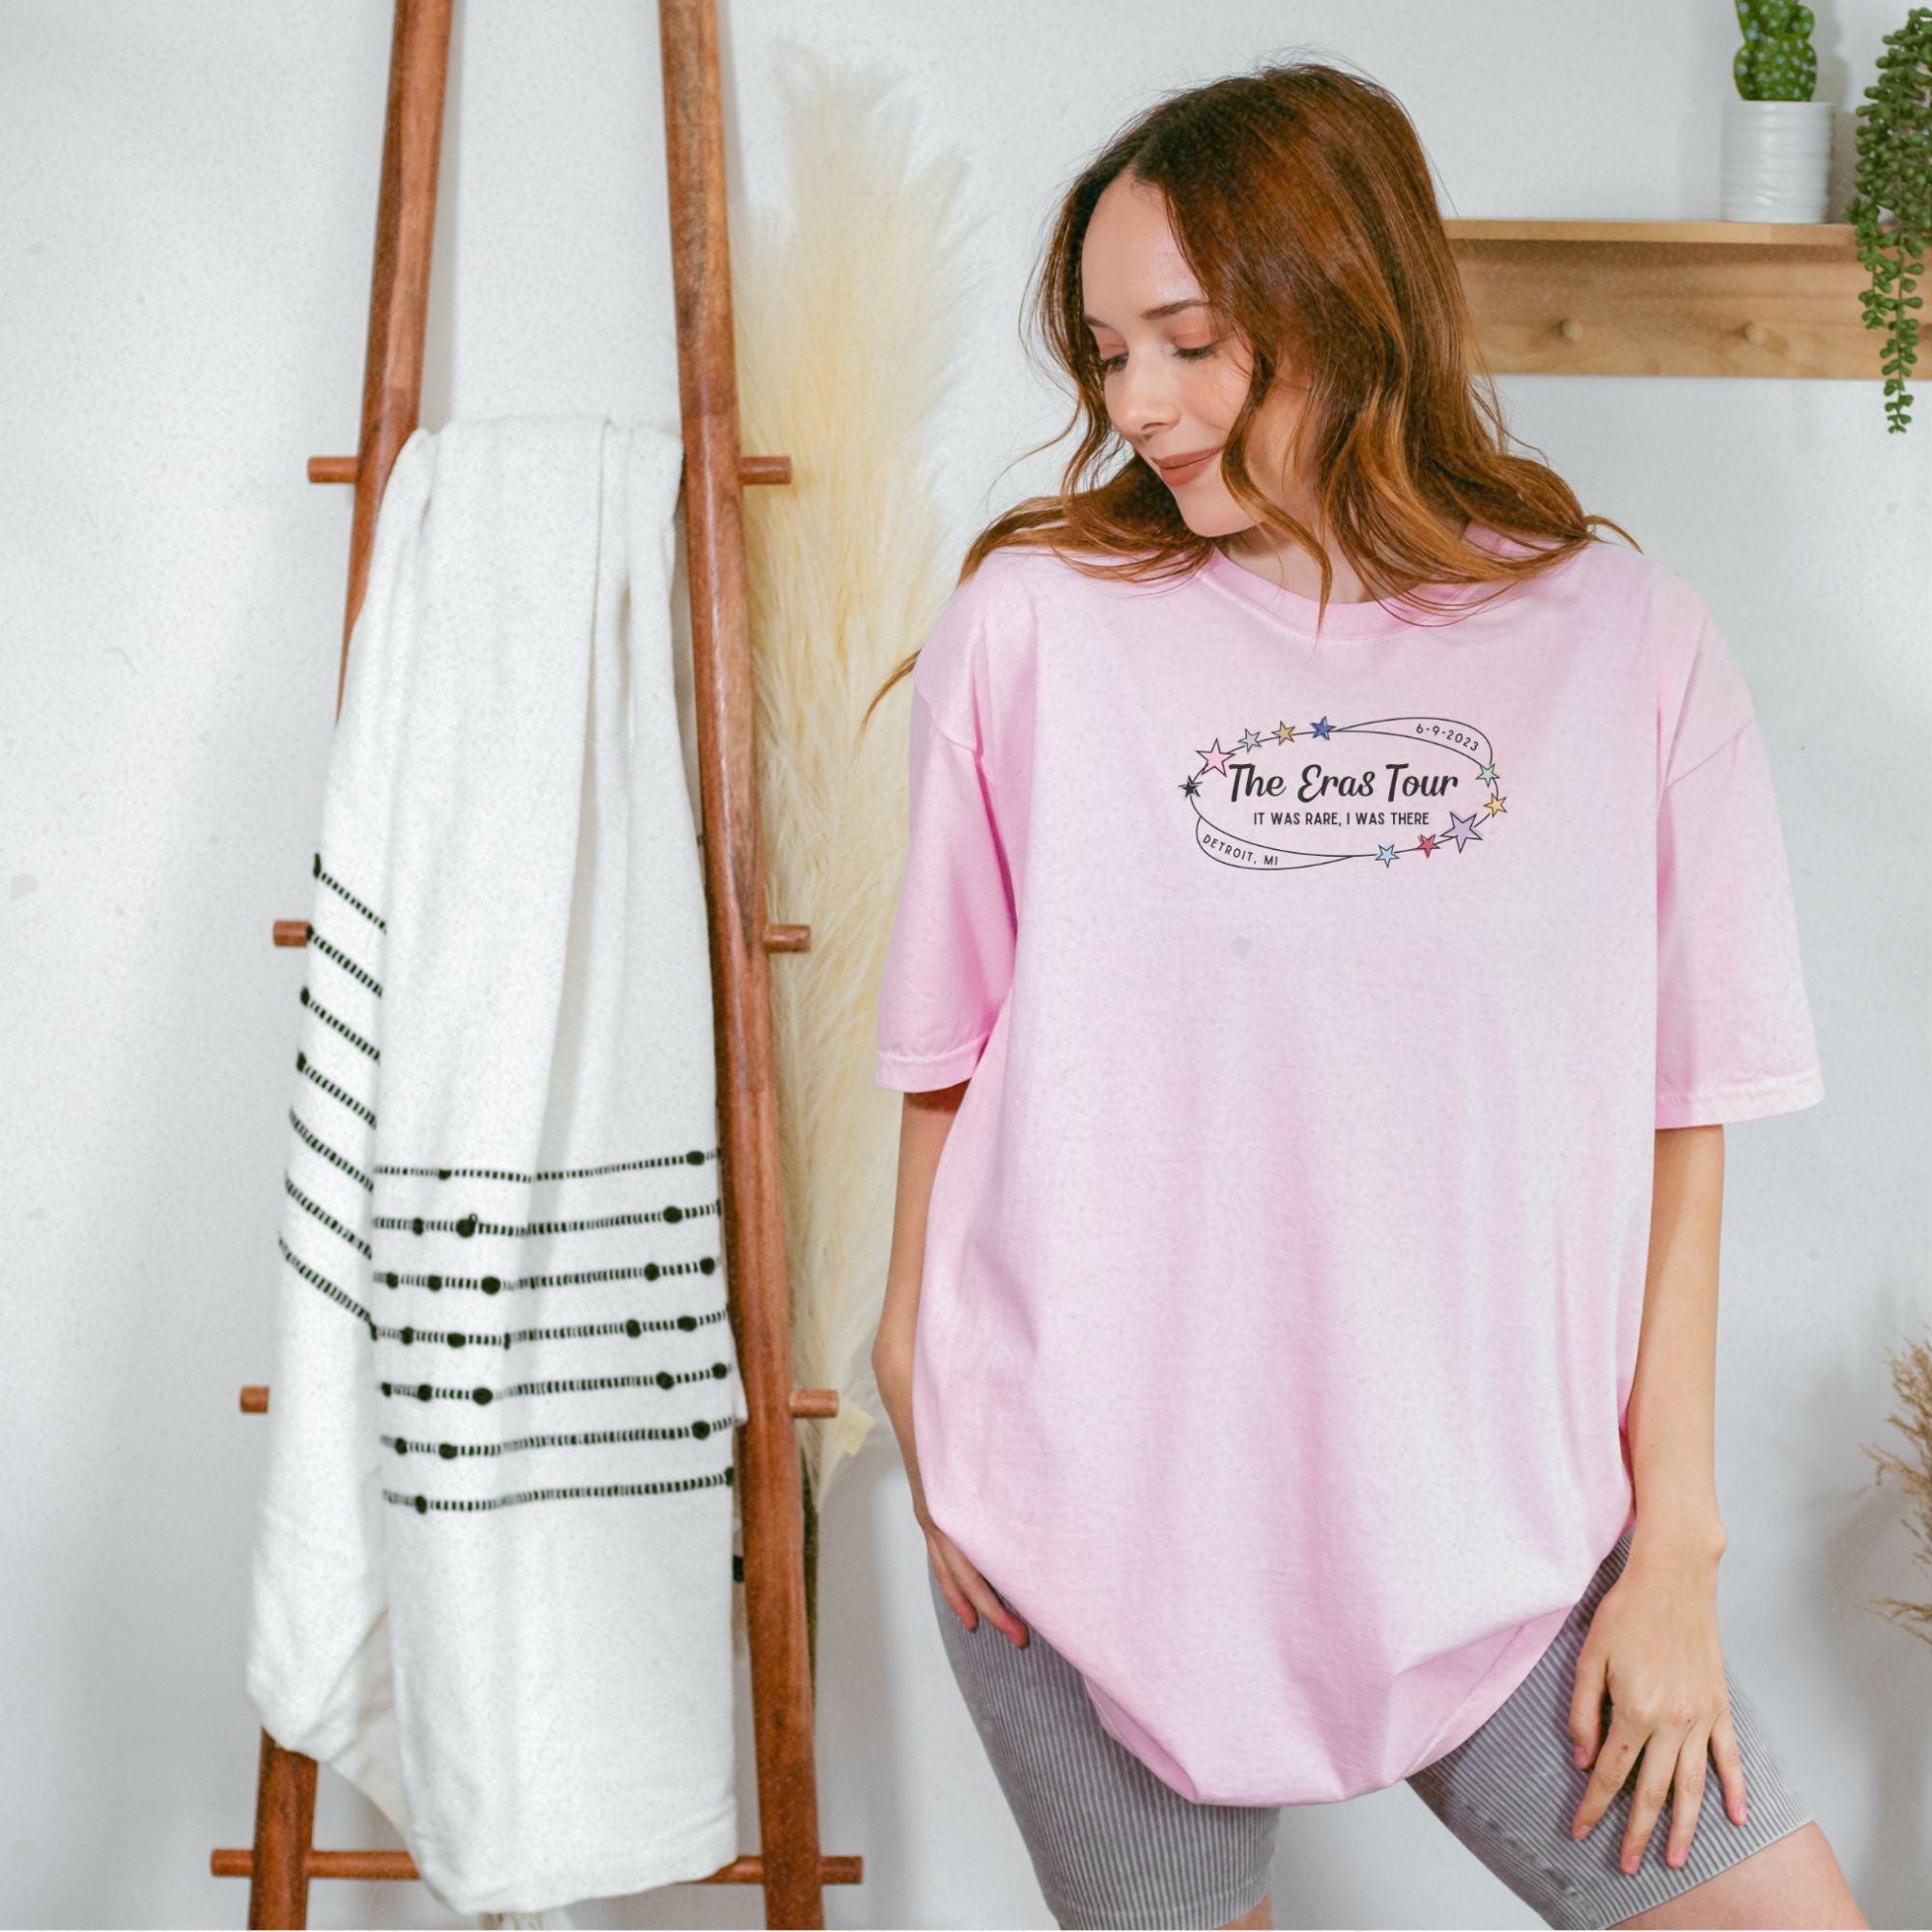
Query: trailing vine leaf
(1894, 178)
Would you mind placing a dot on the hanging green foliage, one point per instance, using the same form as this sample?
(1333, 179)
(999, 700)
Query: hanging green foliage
(1894, 178)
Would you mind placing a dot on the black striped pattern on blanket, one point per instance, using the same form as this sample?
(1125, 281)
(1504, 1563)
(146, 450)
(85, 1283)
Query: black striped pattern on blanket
(536, 1335)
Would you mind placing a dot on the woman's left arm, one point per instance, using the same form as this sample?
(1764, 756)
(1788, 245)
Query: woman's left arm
(1652, 1648)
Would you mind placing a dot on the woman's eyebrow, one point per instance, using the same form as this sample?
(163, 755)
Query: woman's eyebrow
(1154, 314)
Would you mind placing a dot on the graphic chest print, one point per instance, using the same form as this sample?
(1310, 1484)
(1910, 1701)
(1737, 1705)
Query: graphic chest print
(1319, 794)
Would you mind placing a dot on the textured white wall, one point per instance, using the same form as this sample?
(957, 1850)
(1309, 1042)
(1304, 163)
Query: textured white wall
(185, 239)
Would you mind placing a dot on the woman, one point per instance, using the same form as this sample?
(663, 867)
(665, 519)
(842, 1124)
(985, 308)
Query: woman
(1315, 1305)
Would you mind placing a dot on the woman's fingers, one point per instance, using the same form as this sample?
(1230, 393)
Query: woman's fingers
(1665, 1754)
(1730, 1763)
(1689, 1798)
(968, 1593)
(1662, 1747)
(1606, 1775)
(1589, 1701)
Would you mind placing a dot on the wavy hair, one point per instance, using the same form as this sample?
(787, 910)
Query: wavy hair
(1300, 197)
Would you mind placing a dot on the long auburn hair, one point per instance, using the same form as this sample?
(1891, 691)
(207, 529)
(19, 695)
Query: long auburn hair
(1300, 197)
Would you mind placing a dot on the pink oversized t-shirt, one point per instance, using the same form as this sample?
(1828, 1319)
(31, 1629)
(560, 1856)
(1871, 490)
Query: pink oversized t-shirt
(1284, 1265)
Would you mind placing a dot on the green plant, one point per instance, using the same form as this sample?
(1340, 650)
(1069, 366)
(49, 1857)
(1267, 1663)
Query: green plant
(1777, 61)
(1895, 172)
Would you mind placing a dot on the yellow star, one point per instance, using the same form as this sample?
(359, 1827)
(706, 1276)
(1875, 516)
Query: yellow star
(1284, 733)
(1493, 804)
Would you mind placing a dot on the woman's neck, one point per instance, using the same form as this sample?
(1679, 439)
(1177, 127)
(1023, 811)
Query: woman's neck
(1291, 567)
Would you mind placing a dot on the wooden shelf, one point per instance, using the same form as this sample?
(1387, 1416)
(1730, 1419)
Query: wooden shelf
(1667, 298)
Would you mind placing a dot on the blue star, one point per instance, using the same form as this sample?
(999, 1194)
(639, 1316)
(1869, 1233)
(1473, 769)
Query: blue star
(1321, 726)
(1386, 854)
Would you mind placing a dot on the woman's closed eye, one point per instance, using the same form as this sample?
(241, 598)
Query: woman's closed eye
(1109, 364)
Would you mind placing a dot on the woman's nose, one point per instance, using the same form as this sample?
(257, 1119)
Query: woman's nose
(1143, 402)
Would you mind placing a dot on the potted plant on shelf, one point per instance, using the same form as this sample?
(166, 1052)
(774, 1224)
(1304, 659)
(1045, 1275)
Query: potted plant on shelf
(1892, 212)
(1775, 149)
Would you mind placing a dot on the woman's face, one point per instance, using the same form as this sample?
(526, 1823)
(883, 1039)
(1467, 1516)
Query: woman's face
(1176, 371)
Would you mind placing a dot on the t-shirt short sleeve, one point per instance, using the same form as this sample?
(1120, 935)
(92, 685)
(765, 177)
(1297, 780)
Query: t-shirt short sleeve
(949, 960)
(1734, 1032)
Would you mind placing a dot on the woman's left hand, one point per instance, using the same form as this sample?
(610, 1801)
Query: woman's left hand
(1653, 1651)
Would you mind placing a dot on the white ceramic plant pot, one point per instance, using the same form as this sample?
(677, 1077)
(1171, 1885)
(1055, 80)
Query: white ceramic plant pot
(1774, 160)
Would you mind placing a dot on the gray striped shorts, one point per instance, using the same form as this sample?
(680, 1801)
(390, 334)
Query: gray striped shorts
(1113, 1845)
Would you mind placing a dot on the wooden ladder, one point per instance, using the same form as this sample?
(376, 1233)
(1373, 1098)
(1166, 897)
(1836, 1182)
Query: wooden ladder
(789, 1864)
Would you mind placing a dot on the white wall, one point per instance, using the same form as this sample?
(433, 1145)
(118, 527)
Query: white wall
(188, 216)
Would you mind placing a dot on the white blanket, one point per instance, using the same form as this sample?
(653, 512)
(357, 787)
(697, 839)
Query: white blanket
(492, 1575)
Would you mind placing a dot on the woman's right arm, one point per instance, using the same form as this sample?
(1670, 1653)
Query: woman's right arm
(925, 1122)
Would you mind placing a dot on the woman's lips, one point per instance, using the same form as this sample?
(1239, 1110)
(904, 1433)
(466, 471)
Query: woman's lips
(1188, 468)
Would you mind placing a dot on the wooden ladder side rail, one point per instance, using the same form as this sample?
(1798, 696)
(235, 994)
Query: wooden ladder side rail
(790, 1866)
(279, 1865)
(734, 864)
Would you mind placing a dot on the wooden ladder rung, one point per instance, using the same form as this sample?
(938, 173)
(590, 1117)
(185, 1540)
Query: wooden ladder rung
(779, 937)
(750, 469)
(813, 1403)
(239, 1862)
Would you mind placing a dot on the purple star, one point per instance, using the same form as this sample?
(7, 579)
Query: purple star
(1462, 829)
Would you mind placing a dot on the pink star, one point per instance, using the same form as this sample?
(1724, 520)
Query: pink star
(1217, 760)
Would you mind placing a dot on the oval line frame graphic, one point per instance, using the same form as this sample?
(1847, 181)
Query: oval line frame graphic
(1239, 849)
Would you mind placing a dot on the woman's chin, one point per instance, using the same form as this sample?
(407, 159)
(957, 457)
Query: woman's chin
(1212, 514)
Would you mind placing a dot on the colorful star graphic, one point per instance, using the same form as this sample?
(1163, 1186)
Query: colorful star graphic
(1493, 804)
(1321, 726)
(1462, 828)
(1488, 773)
(1284, 733)
(1426, 844)
(1386, 854)
(1216, 757)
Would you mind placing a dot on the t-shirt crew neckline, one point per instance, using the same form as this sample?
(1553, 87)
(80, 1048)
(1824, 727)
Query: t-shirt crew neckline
(1354, 621)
